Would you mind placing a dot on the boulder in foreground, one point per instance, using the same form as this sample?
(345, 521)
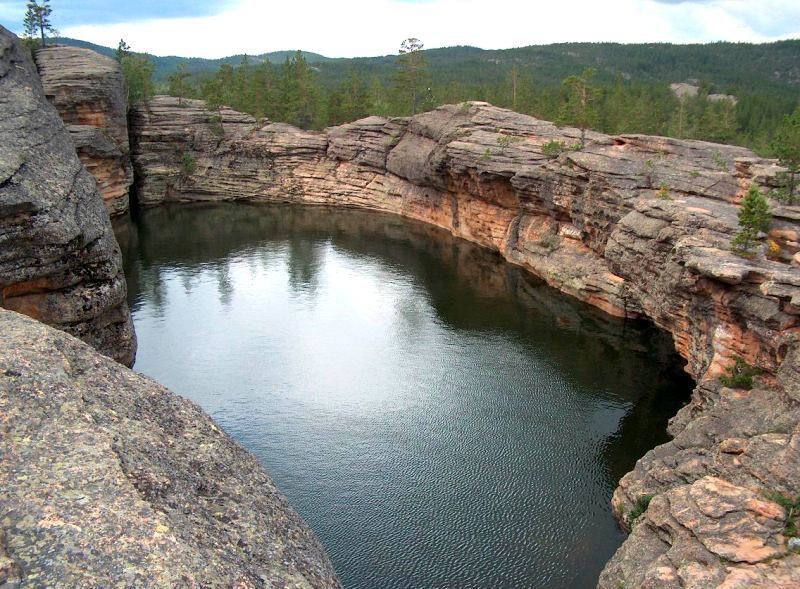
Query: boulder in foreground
(109, 478)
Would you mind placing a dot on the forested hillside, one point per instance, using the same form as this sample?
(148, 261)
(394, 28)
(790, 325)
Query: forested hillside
(630, 85)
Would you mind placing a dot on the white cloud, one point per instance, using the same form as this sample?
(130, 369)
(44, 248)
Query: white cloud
(348, 28)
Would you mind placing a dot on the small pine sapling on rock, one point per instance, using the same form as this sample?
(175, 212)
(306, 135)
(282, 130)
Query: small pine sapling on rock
(754, 218)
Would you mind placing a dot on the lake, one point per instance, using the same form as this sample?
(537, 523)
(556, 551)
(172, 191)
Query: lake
(438, 416)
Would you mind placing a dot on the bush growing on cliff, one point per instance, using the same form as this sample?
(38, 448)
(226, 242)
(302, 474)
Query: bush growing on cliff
(553, 148)
(188, 165)
(215, 125)
(640, 507)
(791, 508)
(754, 218)
(740, 376)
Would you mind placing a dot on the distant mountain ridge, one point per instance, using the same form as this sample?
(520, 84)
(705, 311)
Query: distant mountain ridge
(728, 67)
(165, 65)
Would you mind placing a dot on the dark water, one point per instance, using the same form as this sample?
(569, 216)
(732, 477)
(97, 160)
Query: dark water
(440, 418)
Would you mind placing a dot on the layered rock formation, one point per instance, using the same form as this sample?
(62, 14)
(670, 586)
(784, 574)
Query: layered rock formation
(59, 261)
(634, 225)
(109, 479)
(88, 90)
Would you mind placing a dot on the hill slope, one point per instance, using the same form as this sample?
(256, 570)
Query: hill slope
(729, 67)
(165, 65)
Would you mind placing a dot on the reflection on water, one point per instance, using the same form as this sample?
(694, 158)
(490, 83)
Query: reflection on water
(439, 417)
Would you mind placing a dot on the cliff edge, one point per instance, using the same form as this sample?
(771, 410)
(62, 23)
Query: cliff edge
(59, 260)
(90, 95)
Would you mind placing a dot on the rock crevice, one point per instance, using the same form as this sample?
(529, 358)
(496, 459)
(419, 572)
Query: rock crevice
(89, 93)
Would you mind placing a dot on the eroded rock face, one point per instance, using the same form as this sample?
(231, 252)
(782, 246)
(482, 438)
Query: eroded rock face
(59, 261)
(88, 90)
(710, 533)
(634, 225)
(132, 485)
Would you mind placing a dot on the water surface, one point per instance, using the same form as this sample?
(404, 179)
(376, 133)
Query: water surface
(439, 417)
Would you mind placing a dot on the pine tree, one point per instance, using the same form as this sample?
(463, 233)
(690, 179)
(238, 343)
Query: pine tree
(754, 217)
(580, 108)
(299, 94)
(138, 72)
(37, 20)
(412, 79)
(179, 85)
(123, 50)
(264, 88)
(787, 147)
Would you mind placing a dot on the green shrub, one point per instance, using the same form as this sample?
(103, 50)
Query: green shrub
(188, 164)
(720, 161)
(790, 506)
(641, 505)
(505, 140)
(663, 192)
(554, 148)
(215, 125)
(740, 376)
(785, 192)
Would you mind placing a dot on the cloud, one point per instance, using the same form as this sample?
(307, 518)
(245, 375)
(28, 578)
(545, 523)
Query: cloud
(67, 13)
(349, 28)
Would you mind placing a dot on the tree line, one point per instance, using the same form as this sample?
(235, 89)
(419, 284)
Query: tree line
(293, 93)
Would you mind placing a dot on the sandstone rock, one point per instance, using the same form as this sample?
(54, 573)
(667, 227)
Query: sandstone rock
(709, 533)
(88, 90)
(596, 224)
(132, 485)
(59, 261)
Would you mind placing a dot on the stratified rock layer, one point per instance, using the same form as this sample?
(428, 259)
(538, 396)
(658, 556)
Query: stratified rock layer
(109, 479)
(59, 261)
(88, 90)
(635, 225)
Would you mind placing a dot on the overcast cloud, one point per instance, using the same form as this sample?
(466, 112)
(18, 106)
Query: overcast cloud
(349, 28)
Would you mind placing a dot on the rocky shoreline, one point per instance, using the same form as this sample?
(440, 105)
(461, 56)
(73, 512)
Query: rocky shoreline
(637, 226)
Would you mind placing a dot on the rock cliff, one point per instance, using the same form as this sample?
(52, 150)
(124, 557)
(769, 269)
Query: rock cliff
(634, 225)
(88, 90)
(132, 485)
(59, 261)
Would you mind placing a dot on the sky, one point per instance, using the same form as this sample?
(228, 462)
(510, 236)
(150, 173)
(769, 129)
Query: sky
(352, 28)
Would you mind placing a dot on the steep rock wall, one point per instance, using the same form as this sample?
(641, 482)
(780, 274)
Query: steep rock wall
(132, 485)
(635, 225)
(59, 261)
(88, 91)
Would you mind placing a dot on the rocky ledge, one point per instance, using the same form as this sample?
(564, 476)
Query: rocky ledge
(88, 90)
(635, 225)
(59, 261)
(109, 479)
